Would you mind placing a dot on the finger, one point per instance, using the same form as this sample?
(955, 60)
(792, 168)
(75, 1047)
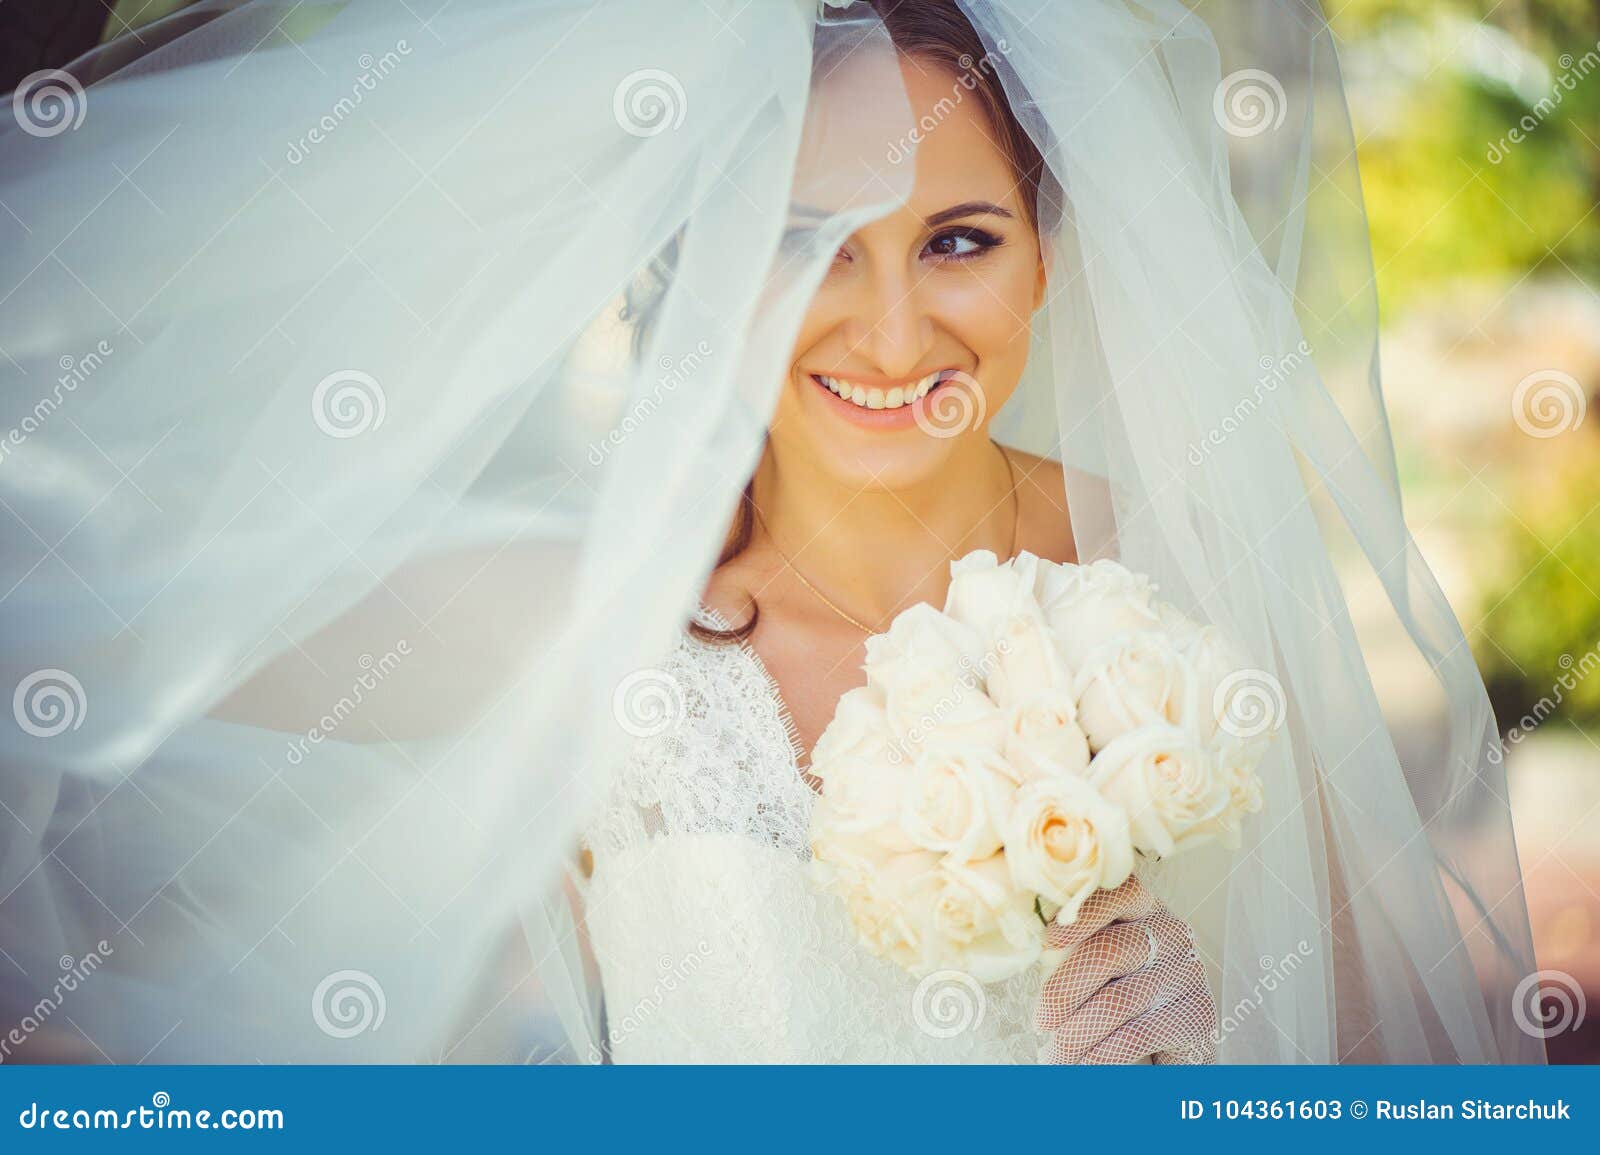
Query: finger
(1117, 951)
(1120, 949)
(1127, 903)
(1201, 1054)
(1182, 1027)
(1110, 1008)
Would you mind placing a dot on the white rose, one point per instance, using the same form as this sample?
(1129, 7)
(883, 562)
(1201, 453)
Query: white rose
(1043, 738)
(1064, 841)
(981, 923)
(956, 802)
(1169, 784)
(1026, 661)
(1088, 605)
(1131, 681)
(985, 592)
(1228, 683)
(858, 729)
(925, 668)
(860, 803)
(891, 907)
(1237, 759)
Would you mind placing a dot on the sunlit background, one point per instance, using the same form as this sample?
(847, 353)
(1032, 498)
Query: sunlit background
(1478, 124)
(1478, 129)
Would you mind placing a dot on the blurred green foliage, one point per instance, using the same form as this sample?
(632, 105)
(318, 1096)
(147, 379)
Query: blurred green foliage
(1449, 195)
(1437, 89)
(1545, 618)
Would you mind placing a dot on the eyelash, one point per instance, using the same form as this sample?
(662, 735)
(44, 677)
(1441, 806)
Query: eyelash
(982, 238)
(795, 240)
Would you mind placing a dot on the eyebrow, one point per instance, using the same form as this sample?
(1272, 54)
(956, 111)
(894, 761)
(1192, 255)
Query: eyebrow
(806, 215)
(967, 209)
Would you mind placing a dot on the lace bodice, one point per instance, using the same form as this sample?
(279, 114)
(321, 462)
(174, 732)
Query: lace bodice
(712, 943)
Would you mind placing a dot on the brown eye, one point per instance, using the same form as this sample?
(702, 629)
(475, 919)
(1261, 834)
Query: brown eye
(960, 244)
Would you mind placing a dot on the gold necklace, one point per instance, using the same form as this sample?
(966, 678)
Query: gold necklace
(1016, 521)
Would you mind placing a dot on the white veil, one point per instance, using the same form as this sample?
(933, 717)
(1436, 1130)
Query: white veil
(380, 380)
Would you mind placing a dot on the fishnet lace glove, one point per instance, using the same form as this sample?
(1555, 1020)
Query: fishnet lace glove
(1132, 987)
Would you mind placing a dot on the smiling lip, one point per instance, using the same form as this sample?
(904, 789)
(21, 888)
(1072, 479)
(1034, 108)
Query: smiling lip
(899, 401)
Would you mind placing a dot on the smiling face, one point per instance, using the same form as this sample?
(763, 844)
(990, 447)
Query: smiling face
(933, 299)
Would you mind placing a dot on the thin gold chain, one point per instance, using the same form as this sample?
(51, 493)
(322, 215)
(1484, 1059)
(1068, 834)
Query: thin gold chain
(1016, 522)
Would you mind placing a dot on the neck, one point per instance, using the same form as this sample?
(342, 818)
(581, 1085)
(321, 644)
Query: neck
(875, 551)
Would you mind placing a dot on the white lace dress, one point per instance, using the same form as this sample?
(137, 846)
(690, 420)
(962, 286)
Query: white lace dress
(713, 946)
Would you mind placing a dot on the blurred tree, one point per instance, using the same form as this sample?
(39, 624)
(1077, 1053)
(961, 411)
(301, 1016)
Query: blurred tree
(1540, 636)
(1439, 93)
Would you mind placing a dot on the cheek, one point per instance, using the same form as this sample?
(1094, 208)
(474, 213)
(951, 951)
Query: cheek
(991, 310)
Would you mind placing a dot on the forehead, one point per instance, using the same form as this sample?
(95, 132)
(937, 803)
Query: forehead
(959, 153)
(916, 130)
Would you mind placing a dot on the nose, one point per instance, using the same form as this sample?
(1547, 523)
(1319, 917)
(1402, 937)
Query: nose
(892, 323)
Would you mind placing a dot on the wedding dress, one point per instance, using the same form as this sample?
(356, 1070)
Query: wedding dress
(714, 945)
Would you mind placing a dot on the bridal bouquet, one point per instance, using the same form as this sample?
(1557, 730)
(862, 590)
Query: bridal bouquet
(1010, 755)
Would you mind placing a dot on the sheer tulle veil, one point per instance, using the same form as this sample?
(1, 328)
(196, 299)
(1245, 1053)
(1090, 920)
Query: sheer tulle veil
(350, 508)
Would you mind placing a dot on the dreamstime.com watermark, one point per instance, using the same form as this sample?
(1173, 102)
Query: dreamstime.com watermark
(905, 148)
(373, 70)
(375, 670)
(1548, 1003)
(1574, 70)
(1274, 372)
(948, 1003)
(74, 372)
(1275, 972)
(159, 1115)
(672, 975)
(673, 374)
(49, 102)
(75, 972)
(971, 679)
(1573, 671)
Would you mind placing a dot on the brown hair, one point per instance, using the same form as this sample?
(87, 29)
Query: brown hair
(938, 33)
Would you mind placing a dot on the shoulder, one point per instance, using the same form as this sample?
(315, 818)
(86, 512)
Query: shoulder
(1045, 527)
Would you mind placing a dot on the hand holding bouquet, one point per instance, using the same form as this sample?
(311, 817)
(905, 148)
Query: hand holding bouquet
(1010, 755)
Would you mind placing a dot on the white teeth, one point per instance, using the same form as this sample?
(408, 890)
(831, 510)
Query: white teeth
(877, 398)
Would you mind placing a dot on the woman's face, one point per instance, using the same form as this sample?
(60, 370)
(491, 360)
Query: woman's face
(919, 332)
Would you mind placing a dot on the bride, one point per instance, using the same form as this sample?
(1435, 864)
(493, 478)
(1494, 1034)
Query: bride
(495, 429)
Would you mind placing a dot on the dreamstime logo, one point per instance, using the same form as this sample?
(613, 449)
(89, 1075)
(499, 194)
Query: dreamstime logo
(1573, 671)
(673, 374)
(1548, 1003)
(1572, 71)
(648, 102)
(647, 703)
(347, 1004)
(74, 372)
(971, 678)
(348, 403)
(1274, 972)
(1249, 102)
(1274, 372)
(1248, 703)
(905, 148)
(49, 102)
(672, 974)
(49, 702)
(1547, 403)
(75, 972)
(955, 405)
(373, 672)
(947, 1004)
(373, 69)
